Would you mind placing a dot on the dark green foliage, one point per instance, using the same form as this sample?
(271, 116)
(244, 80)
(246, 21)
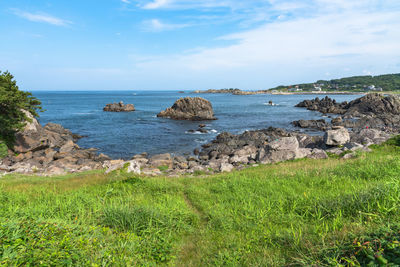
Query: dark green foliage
(12, 102)
(3, 150)
(394, 141)
(378, 248)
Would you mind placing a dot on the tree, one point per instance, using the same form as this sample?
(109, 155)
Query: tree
(12, 104)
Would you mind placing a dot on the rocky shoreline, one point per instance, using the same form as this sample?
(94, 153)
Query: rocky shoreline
(372, 119)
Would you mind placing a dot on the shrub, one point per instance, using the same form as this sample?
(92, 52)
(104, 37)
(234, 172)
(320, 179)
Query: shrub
(3, 150)
(12, 103)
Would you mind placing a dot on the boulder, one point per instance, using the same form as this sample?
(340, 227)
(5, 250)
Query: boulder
(119, 107)
(226, 167)
(113, 165)
(68, 147)
(133, 167)
(161, 160)
(278, 156)
(189, 108)
(284, 143)
(337, 137)
(243, 155)
(318, 154)
(32, 137)
(316, 124)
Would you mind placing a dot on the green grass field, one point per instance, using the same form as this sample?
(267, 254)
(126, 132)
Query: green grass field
(299, 213)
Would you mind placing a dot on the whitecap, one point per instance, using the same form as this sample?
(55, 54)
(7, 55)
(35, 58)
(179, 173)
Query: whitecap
(268, 104)
(213, 131)
(195, 132)
(200, 141)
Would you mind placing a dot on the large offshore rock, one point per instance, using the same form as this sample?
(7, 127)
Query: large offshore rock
(189, 108)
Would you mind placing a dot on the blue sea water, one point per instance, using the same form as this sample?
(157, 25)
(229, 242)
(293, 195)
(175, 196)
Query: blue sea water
(122, 135)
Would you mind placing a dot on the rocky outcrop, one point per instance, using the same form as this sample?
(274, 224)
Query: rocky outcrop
(119, 107)
(325, 105)
(314, 124)
(49, 150)
(370, 111)
(189, 108)
(374, 105)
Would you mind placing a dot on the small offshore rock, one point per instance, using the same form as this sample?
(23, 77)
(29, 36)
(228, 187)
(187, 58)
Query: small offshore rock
(119, 107)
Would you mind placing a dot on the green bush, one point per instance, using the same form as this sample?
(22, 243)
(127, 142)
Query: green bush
(3, 150)
(394, 141)
(12, 103)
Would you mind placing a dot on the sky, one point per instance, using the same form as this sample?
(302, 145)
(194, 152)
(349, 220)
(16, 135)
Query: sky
(195, 44)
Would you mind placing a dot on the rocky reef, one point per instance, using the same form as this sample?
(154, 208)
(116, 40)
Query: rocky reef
(189, 108)
(370, 111)
(119, 107)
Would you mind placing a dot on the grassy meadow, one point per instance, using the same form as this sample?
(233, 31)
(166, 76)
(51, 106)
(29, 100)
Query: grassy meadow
(300, 213)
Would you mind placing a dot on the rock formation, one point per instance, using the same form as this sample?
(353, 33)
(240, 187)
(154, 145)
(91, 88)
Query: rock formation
(119, 107)
(370, 111)
(189, 108)
(49, 150)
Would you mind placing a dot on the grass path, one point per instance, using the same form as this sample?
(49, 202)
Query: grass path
(189, 253)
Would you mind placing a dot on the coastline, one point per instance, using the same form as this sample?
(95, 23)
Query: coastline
(227, 151)
(268, 92)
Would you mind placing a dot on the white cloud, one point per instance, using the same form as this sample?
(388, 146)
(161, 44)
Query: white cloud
(156, 25)
(126, 1)
(156, 4)
(42, 17)
(327, 42)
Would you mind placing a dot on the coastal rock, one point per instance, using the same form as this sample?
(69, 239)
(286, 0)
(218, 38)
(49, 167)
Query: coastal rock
(119, 107)
(337, 137)
(373, 136)
(277, 156)
(133, 167)
(32, 137)
(226, 167)
(189, 108)
(244, 155)
(161, 160)
(285, 143)
(113, 165)
(374, 104)
(68, 147)
(316, 124)
(325, 105)
(318, 154)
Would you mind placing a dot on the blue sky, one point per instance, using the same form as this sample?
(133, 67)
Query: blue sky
(195, 44)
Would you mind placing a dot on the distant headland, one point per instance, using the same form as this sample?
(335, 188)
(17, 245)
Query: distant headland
(349, 85)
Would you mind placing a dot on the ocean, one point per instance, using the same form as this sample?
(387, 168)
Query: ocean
(122, 135)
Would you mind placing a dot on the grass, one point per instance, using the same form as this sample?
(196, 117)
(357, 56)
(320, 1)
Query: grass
(300, 213)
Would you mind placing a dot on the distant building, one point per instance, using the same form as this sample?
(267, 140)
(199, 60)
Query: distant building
(371, 88)
(317, 88)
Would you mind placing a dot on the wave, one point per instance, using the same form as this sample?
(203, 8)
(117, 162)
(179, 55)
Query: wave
(200, 141)
(195, 132)
(268, 104)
